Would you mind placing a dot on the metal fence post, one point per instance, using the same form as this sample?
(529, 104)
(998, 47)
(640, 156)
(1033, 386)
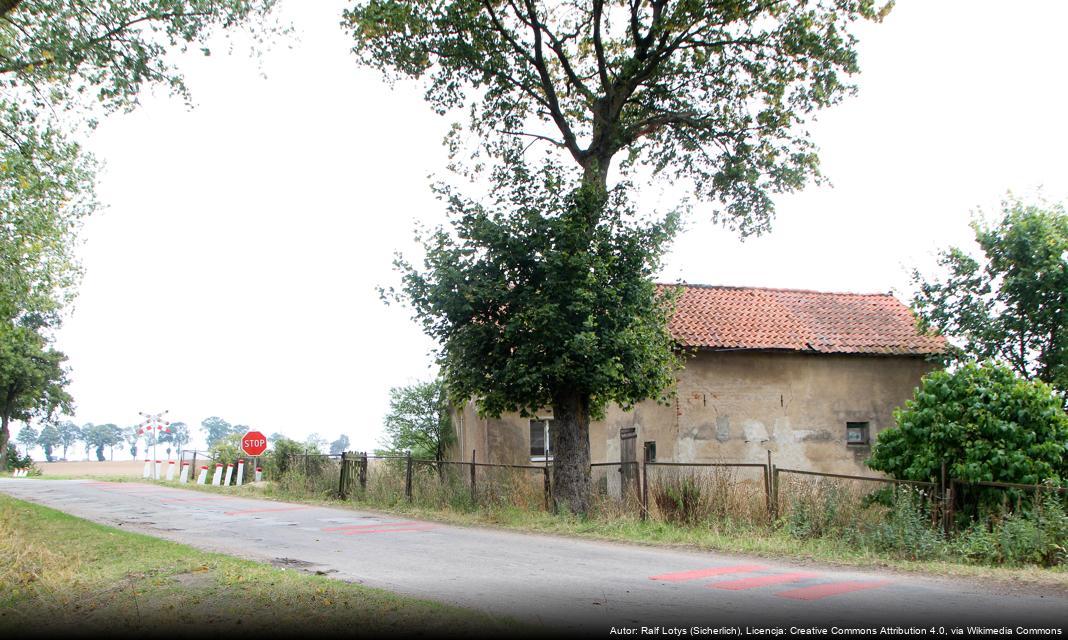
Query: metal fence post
(774, 492)
(474, 494)
(408, 479)
(767, 486)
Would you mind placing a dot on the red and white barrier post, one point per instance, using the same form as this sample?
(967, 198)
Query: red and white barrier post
(229, 473)
(240, 470)
(170, 470)
(217, 478)
(259, 474)
(203, 477)
(159, 468)
(183, 475)
(148, 469)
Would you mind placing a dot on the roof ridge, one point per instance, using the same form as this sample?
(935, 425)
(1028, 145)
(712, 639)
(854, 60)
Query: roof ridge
(781, 289)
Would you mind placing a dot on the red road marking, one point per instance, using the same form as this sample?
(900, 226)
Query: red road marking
(195, 499)
(761, 581)
(349, 527)
(819, 591)
(425, 527)
(704, 573)
(244, 511)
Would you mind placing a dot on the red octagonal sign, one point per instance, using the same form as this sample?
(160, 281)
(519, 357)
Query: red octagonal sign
(254, 443)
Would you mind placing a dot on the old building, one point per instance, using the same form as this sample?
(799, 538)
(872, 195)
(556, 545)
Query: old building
(811, 376)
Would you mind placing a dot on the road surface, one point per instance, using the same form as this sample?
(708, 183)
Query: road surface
(565, 583)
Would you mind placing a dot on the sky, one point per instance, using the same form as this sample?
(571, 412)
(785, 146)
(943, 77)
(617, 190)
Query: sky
(234, 270)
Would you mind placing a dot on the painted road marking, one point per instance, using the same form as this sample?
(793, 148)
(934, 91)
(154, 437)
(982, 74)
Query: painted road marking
(820, 591)
(244, 511)
(696, 574)
(762, 581)
(347, 527)
(196, 499)
(426, 527)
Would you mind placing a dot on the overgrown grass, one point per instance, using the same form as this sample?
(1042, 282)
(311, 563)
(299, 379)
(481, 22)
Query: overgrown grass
(59, 573)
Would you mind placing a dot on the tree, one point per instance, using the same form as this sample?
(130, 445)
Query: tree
(27, 437)
(69, 433)
(32, 378)
(986, 423)
(419, 420)
(60, 59)
(215, 429)
(100, 436)
(315, 442)
(49, 439)
(177, 434)
(1013, 305)
(340, 445)
(710, 94)
(132, 436)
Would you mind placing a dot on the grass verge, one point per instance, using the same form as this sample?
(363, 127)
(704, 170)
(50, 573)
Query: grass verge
(62, 573)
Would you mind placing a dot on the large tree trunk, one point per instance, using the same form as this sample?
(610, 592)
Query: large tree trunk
(570, 443)
(5, 435)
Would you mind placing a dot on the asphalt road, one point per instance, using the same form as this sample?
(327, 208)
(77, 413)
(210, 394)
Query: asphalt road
(568, 584)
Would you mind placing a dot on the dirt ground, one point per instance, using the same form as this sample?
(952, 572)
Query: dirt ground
(132, 468)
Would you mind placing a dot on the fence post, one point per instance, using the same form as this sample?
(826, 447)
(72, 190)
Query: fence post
(474, 494)
(774, 492)
(645, 488)
(341, 477)
(952, 497)
(408, 479)
(363, 471)
(545, 472)
(767, 486)
(194, 465)
(945, 505)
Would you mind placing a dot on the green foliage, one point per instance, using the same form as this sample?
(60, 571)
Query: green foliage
(177, 434)
(713, 94)
(682, 499)
(1038, 536)
(69, 433)
(276, 462)
(419, 421)
(530, 300)
(27, 437)
(32, 377)
(984, 422)
(906, 531)
(49, 439)
(340, 445)
(100, 436)
(1012, 307)
(216, 430)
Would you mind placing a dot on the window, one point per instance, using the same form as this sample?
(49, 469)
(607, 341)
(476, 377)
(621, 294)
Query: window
(856, 433)
(540, 440)
(650, 451)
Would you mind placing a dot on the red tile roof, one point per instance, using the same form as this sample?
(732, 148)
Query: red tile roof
(796, 320)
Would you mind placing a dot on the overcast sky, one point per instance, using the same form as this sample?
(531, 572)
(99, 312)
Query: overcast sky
(233, 272)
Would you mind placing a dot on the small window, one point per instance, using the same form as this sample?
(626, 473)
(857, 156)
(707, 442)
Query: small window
(856, 433)
(540, 440)
(650, 451)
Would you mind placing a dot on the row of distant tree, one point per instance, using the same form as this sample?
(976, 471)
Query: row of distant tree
(63, 438)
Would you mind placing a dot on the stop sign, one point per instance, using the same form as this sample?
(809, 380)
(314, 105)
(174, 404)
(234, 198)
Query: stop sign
(253, 443)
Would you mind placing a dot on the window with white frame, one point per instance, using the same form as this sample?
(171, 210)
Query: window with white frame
(540, 440)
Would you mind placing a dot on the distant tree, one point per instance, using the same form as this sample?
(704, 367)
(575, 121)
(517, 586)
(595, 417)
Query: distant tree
(315, 443)
(177, 435)
(340, 445)
(276, 436)
(49, 439)
(102, 435)
(27, 437)
(132, 436)
(215, 430)
(419, 421)
(32, 378)
(69, 433)
(1012, 306)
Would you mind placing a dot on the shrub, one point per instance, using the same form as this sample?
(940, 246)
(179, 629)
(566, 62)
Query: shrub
(906, 530)
(682, 499)
(1039, 536)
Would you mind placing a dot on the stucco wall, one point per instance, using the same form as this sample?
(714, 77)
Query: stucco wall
(735, 406)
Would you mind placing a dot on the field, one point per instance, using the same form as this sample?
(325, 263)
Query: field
(130, 468)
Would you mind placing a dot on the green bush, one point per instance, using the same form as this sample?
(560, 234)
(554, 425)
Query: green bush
(985, 423)
(1038, 536)
(906, 530)
(682, 499)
